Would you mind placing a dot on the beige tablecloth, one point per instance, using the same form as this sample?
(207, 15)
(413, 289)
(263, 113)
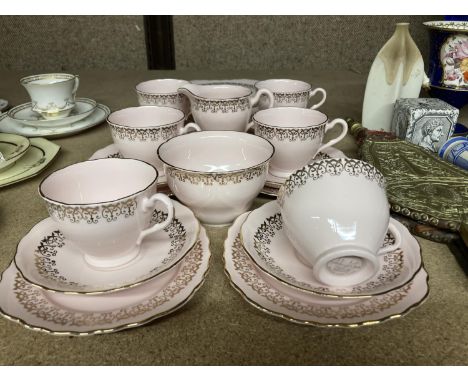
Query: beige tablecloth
(217, 326)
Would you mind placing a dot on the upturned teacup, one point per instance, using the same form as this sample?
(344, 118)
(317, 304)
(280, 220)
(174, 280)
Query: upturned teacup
(217, 174)
(297, 135)
(336, 215)
(223, 107)
(104, 207)
(52, 95)
(163, 92)
(290, 93)
(138, 131)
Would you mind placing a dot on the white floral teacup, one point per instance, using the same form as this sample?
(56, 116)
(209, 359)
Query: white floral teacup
(52, 95)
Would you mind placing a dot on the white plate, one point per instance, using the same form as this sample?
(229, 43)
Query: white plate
(111, 151)
(80, 315)
(23, 114)
(46, 259)
(265, 241)
(275, 298)
(8, 125)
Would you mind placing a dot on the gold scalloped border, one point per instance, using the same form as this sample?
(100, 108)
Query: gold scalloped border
(122, 327)
(319, 324)
(325, 294)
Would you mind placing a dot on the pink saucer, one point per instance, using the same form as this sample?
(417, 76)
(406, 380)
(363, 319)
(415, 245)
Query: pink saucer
(79, 315)
(275, 298)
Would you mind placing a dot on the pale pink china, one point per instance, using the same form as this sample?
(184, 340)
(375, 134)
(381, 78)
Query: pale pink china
(138, 131)
(163, 92)
(216, 173)
(81, 315)
(297, 135)
(104, 207)
(264, 239)
(223, 107)
(70, 273)
(290, 93)
(336, 214)
(272, 297)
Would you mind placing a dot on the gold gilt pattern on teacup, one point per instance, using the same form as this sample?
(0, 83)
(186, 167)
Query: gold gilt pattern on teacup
(282, 134)
(92, 215)
(45, 253)
(216, 178)
(332, 167)
(177, 233)
(147, 134)
(54, 76)
(391, 269)
(291, 97)
(362, 309)
(33, 300)
(224, 106)
(160, 99)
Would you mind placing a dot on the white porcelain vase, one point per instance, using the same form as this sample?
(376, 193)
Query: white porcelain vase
(397, 72)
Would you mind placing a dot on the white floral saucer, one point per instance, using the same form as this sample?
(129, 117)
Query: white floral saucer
(8, 125)
(273, 183)
(264, 240)
(24, 114)
(80, 315)
(275, 298)
(111, 151)
(46, 259)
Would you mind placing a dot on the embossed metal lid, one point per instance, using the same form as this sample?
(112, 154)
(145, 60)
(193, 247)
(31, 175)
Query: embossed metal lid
(419, 184)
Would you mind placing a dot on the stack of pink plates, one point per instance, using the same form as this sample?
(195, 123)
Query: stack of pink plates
(50, 287)
(264, 268)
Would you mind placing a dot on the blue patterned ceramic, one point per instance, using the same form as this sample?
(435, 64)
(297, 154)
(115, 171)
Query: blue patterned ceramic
(448, 61)
(455, 151)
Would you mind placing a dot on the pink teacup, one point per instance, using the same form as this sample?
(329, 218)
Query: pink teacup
(104, 207)
(297, 135)
(290, 93)
(139, 131)
(163, 92)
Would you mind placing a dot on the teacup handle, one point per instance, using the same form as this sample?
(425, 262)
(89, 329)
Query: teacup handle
(188, 115)
(314, 92)
(396, 245)
(331, 125)
(149, 204)
(77, 83)
(271, 98)
(186, 128)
